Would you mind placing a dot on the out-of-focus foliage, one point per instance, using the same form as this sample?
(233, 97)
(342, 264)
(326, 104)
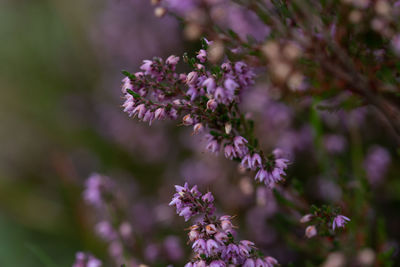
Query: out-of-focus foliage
(54, 58)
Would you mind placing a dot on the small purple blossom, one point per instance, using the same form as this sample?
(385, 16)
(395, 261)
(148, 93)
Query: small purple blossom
(376, 164)
(86, 260)
(213, 146)
(96, 186)
(202, 56)
(339, 221)
(240, 144)
(230, 152)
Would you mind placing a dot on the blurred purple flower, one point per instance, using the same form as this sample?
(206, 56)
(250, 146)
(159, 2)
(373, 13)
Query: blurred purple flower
(376, 164)
(339, 221)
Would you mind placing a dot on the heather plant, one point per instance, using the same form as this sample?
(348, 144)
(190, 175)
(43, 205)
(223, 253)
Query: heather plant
(280, 88)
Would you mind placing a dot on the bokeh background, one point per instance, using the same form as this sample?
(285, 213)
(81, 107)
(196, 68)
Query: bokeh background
(61, 120)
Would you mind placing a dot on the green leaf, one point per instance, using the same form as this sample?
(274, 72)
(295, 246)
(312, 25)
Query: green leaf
(135, 95)
(204, 44)
(129, 75)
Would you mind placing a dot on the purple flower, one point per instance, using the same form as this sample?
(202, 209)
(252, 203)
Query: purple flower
(173, 248)
(376, 164)
(86, 260)
(217, 263)
(160, 114)
(129, 104)
(230, 85)
(212, 247)
(210, 235)
(208, 197)
(256, 161)
(221, 237)
(140, 110)
(239, 143)
(200, 264)
(311, 231)
(230, 152)
(220, 95)
(200, 246)
(247, 162)
(146, 66)
(270, 261)
(191, 77)
(231, 253)
(209, 83)
(193, 93)
(339, 221)
(187, 120)
(249, 263)
(213, 146)
(186, 213)
(106, 231)
(96, 186)
(202, 56)
(198, 128)
(126, 84)
(194, 234)
(334, 144)
(260, 263)
(173, 113)
(263, 176)
(245, 247)
(172, 60)
(212, 104)
(149, 116)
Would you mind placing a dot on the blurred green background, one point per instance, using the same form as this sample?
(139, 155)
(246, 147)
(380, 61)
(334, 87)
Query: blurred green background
(50, 72)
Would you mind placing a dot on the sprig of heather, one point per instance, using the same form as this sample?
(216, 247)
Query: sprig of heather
(212, 237)
(205, 98)
(322, 220)
(112, 228)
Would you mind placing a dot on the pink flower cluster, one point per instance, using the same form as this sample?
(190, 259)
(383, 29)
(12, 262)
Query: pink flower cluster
(204, 99)
(212, 238)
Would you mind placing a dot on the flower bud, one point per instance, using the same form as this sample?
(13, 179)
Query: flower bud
(172, 60)
(306, 218)
(193, 235)
(191, 77)
(228, 128)
(159, 114)
(212, 104)
(311, 231)
(209, 83)
(187, 120)
(211, 229)
(198, 128)
(202, 55)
